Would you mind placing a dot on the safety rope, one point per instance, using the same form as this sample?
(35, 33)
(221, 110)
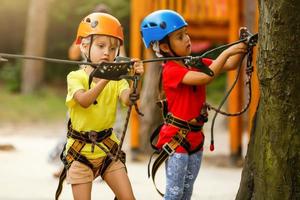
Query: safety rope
(120, 70)
(251, 42)
(135, 79)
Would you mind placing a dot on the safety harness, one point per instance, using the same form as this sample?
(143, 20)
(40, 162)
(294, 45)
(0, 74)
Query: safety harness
(100, 139)
(179, 139)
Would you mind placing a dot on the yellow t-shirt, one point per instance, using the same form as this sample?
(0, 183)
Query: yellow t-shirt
(96, 117)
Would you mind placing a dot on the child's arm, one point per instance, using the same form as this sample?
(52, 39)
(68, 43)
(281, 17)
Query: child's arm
(86, 98)
(199, 78)
(233, 61)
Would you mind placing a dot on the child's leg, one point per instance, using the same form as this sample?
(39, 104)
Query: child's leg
(117, 179)
(191, 175)
(80, 177)
(176, 167)
(82, 191)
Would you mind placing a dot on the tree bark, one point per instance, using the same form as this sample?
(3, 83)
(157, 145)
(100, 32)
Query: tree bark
(149, 96)
(272, 166)
(35, 43)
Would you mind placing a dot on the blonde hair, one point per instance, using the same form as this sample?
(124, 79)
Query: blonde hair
(87, 41)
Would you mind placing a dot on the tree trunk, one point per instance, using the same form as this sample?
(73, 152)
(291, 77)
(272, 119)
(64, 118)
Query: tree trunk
(152, 114)
(272, 167)
(35, 43)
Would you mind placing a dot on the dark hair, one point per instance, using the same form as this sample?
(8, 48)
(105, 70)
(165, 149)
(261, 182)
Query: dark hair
(165, 40)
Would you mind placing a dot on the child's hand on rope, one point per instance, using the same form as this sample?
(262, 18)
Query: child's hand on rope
(133, 97)
(240, 48)
(138, 66)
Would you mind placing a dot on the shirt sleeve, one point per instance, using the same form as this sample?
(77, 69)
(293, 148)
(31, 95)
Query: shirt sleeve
(123, 85)
(173, 75)
(75, 83)
(207, 61)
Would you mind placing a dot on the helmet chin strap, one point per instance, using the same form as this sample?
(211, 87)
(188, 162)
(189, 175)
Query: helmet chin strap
(171, 49)
(89, 54)
(118, 52)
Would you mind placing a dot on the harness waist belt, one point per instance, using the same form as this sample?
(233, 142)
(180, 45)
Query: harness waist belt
(182, 124)
(86, 136)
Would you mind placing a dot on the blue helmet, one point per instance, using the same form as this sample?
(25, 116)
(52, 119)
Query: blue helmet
(159, 24)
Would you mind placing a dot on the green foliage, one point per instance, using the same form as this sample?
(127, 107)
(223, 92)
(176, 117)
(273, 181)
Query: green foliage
(216, 90)
(64, 18)
(63, 24)
(10, 75)
(45, 105)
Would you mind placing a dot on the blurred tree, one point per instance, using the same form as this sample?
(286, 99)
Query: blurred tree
(63, 19)
(272, 168)
(35, 44)
(12, 25)
(63, 24)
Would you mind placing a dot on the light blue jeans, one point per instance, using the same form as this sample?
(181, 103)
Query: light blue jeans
(181, 171)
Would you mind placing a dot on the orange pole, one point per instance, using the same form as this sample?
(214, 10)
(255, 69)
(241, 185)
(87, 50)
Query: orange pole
(254, 82)
(135, 46)
(236, 97)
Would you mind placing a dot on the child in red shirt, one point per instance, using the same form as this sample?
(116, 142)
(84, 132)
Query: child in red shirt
(184, 86)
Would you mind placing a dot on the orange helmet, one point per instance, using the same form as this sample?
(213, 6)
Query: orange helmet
(102, 24)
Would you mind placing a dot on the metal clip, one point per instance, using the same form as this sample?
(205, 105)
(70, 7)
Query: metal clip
(93, 138)
(166, 147)
(168, 118)
(244, 33)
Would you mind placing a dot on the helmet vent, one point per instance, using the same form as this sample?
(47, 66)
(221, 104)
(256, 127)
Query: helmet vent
(152, 24)
(163, 25)
(94, 24)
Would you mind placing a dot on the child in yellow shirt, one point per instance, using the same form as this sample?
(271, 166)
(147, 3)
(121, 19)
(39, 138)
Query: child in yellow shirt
(92, 110)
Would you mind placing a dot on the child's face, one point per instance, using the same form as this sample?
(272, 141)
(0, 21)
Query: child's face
(104, 48)
(180, 42)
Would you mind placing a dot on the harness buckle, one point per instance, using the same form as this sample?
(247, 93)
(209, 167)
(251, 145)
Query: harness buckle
(169, 119)
(93, 137)
(169, 150)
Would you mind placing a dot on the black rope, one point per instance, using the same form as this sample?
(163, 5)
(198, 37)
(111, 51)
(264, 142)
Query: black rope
(187, 59)
(249, 69)
(250, 39)
(135, 79)
(54, 60)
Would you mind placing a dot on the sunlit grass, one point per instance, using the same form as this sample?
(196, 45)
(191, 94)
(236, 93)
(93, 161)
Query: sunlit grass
(44, 106)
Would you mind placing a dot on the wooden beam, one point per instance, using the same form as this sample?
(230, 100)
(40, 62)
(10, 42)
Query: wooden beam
(235, 100)
(213, 32)
(254, 81)
(135, 52)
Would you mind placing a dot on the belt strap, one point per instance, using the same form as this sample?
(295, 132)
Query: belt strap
(113, 148)
(182, 124)
(168, 149)
(67, 160)
(86, 136)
